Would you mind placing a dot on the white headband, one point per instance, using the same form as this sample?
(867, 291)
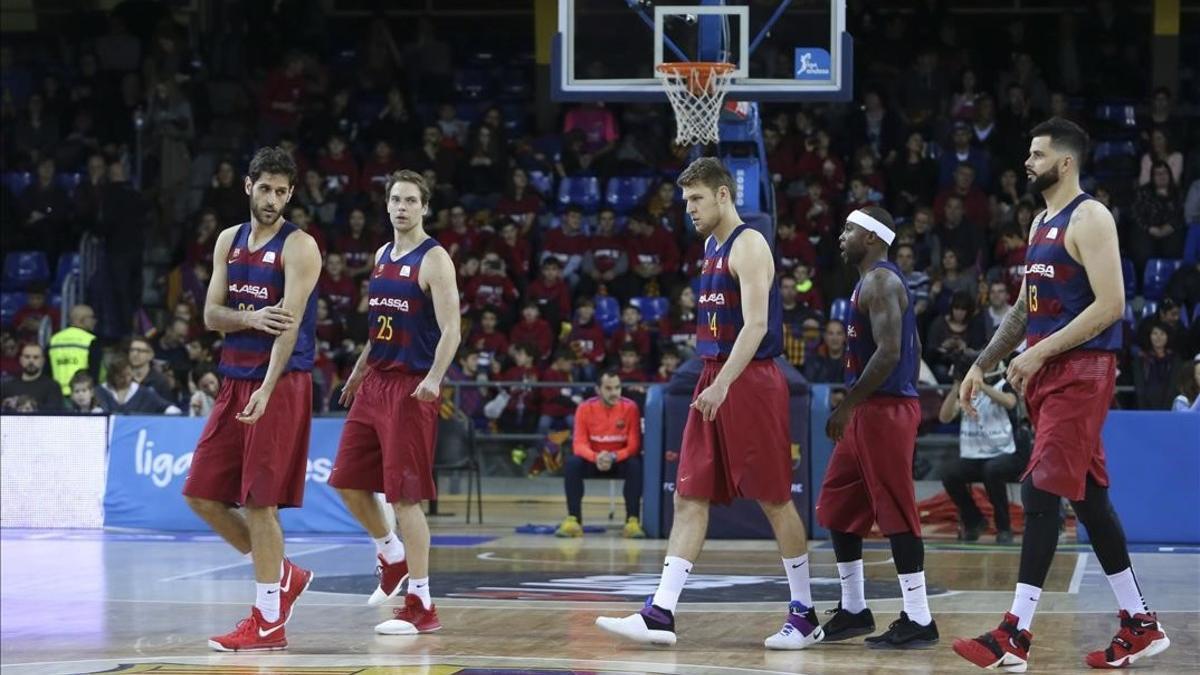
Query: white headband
(865, 220)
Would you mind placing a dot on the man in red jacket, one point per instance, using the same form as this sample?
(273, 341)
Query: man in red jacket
(607, 444)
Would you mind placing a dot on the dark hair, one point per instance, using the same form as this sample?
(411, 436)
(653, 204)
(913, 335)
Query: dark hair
(880, 214)
(962, 300)
(81, 376)
(1064, 134)
(117, 364)
(273, 160)
(409, 176)
(709, 172)
(629, 348)
(141, 339)
(609, 372)
(910, 247)
(1187, 383)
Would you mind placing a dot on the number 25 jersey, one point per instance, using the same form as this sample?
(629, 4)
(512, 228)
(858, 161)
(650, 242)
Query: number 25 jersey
(403, 327)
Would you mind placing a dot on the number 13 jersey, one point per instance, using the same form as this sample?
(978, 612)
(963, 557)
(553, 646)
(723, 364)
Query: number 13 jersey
(403, 327)
(1056, 285)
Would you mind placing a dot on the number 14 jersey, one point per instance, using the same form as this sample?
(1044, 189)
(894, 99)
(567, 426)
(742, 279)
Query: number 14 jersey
(403, 327)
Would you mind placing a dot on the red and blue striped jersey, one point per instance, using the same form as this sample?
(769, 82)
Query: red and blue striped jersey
(254, 281)
(861, 345)
(403, 327)
(720, 307)
(1056, 285)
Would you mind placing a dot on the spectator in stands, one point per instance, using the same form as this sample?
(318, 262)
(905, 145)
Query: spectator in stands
(1184, 286)
(75, 348)
(1161, 150)
(37, 131)
(632, 372)
(1009, 254)
(1168, 316)
(631, 331)
(950, 280)
(1156, 371)
(123, 225)
(668, 363)
(976, 208)
(828, 364)
(1188, 399)
(551, 293)
(173, 345)
(665, 208)
(988, 453)
(875, 126)
(807, 293)
(605, 263)
(141, 359)
(653, 255)
(1191, 205)
(460, 238)
(599, 127)
(171, 129)
(953, 337)
(918, 282)
(45, 214)
(33, 382)
(793, 312)
(792, 247)
(983, 128)
(486, 339)
(960, 235)
(481, 176)
(83, 394)
(468, 367)
(208, 384)
(336, 285)
(520, 201)
(1158, 218)
(556, 406)
(586, 340)
(330, 326)
(922, 90)
(377, 170)
(317, 196)
(87, 195)
(10, 356)
(121, 395)
(534, 331)
(395, 123)
(677, 327)
(859, 195)
(280, 107)
(492, 287)
(606, 443)
(516, 252)
(912, 179)
(28, 320)
(200, 248)
(225, 196)
(962, 151)
(568, 243)
(997, 306)
(434, 154)
(1016, 117)
(517, 406)
(819, 164)
(1005, 199)
(355, 245)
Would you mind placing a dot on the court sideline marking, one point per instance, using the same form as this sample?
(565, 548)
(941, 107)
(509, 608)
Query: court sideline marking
(219, 568)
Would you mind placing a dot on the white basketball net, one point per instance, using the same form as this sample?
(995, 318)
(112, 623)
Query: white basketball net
(696, 92)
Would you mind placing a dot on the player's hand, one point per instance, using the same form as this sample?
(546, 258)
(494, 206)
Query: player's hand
(271, 320)
(255, 407)
(1023, 368)
(971, 383)
(351, 387)
(835, 428)
(428, 390)
(710, 399)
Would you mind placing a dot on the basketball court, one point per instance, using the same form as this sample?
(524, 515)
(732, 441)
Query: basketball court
(88, 602)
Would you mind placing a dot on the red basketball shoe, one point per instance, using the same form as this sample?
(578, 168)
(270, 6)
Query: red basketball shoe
(411, 619)
(1140, 636)
(391, 577)
(1005, 648)
(295, 581)
(252, 635)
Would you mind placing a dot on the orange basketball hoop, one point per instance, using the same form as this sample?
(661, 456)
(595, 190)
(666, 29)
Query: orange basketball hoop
(696, 90)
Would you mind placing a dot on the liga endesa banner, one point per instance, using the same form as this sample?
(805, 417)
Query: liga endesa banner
(149, 458)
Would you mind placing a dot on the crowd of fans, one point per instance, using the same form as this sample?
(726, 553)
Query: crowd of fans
(143, 137)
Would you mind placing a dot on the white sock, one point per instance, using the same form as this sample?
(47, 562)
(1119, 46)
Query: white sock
(854, 599)
(420, 588)
(390, 547)
(267, 601)
(670, 585)
(1129, 596)
(1025, 601)
(916, 605)
(797, 575)
(248, 555)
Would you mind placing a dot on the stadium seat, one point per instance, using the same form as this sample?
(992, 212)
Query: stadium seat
(542, 181)
(1191, 246)
(515, 116)
(1149, 309)
(1115, 158)
(514, 85)
(67, 263)
(1157, 275)
(17, 181)
(10, 304)
(472, 84)
(626, 192)
(1130, 278)
(24, 268)
(840, 310)
(68, 182)
(652, 308)
(1119, 116)
(1196, 313)
(1128, 316)
(583, 191)
(608, 313)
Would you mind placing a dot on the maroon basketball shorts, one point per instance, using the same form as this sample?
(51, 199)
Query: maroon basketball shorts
(388, 440)
(746, 451)
(1068, 401)
(869, 477)
(260, 464)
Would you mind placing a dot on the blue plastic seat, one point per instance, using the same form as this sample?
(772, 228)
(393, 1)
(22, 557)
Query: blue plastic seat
(1149, 309)
(583, 191)
(840, 310)
(25, 268)
(1156, 276)
(608, 313)
(1118, 115)
(17, 181)
(652, 308)
(624, 193)
(67, 263)
(1130, 278)
(473, 84)
(1127, 317)
(68, 181)
(542, 181)
(10, 304)
(1191, 245)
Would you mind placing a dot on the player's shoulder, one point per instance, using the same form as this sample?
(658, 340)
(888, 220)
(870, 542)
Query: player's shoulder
(299, 241)
(751, 237)
(228, 234)
(1092, 210)
(881, 281)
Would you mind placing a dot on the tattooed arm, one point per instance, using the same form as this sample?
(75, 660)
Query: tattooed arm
(1008, 335)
